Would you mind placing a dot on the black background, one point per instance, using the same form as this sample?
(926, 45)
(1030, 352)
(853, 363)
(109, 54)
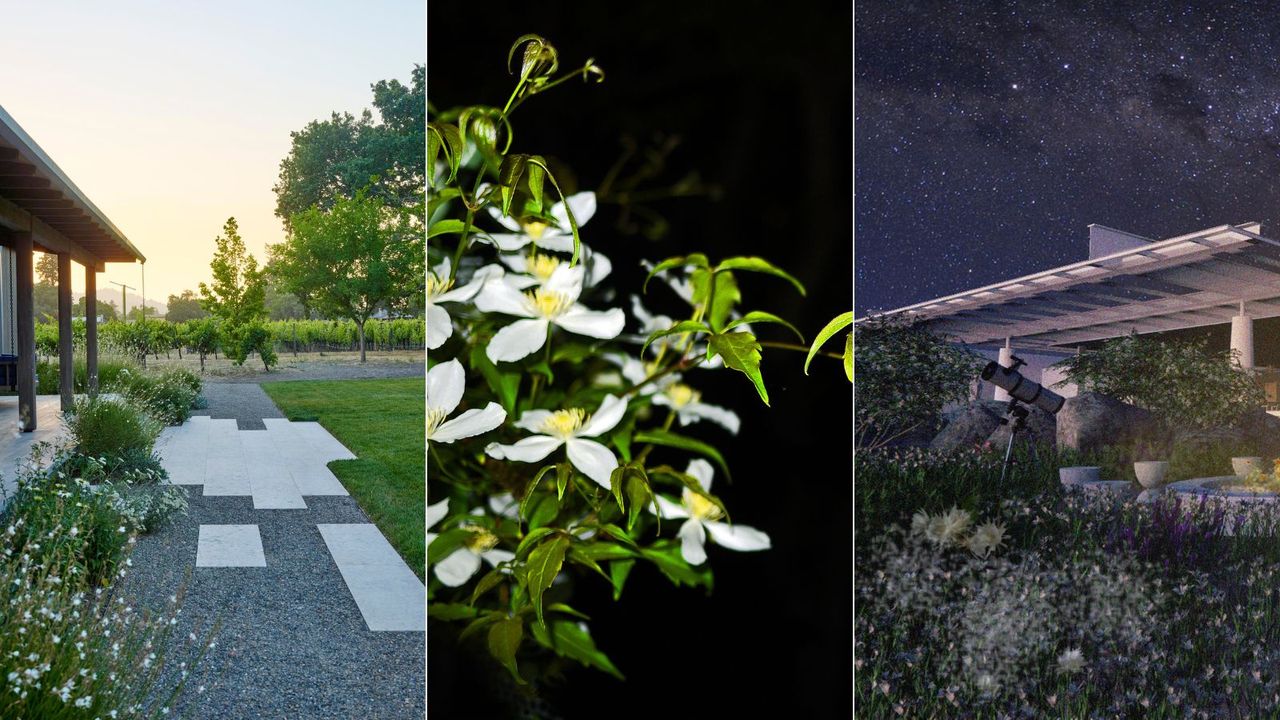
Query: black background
(760, 94)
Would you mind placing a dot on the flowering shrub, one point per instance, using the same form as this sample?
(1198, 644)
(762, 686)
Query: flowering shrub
(106, 427)
(563, 449)
(168, 396)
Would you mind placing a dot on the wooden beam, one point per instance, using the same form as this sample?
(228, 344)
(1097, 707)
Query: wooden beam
(14, 217)
(42, 204)
(66, 363)
(18, 182)
(25, 306)
(9, 168)
(91, 330)
(32, 193)
(8, 153)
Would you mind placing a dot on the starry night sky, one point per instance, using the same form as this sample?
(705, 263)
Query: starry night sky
(988, 135)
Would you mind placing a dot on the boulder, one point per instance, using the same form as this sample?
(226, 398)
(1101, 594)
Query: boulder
(1041, 429)
(969, 425)
(1091, 421)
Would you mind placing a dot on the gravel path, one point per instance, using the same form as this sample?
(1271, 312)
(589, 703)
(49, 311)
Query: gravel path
(324, 371)
(292, 642)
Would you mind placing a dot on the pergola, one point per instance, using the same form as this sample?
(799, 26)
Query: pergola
(41, 209)
(1228, 273)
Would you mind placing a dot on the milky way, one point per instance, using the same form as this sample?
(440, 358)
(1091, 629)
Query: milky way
(989, 135)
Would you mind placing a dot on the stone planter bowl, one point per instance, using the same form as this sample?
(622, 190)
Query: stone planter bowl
(1242, 466)
(1150, 472)
(1079, 474)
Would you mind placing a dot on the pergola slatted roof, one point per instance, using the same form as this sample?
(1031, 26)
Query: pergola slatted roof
(1186, 281)
(37, 196)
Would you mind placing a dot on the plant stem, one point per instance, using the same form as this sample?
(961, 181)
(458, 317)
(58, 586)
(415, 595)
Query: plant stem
(797, 348)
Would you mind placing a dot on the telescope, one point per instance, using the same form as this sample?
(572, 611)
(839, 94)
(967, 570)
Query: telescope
(1019, 387)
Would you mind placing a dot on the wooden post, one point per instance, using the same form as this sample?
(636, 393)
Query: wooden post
(24, 248)
(91, 330)
(66, 361)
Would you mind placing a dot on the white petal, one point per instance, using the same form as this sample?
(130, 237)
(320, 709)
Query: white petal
(470, 423)
(606, 417)
(458, 567)
(593, 459)
(668, 510)
(701, 471)
(727, 419)
(445, 383)
(504, 505)
(692, 538)
(599, 268)
(737, 537)
(566, 280)
(495, 556)
(436, 513)
(439, 326)
(517, 262)
(509, 223)
(462, 294)
(530, 449)
(583, 205)
(442, 270)
(499, 296)
(517, 340)
(604, 325)
(532, 420)
(509, 242)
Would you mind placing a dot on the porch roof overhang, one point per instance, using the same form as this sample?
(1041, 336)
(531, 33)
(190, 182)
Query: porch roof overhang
(1191, 280)
(37, 196)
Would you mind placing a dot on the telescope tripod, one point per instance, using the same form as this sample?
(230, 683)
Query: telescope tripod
(1016, 418)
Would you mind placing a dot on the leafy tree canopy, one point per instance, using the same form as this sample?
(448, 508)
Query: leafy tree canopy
(238, 291)
(184, 307)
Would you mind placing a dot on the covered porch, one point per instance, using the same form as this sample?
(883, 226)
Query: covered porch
(41, 209)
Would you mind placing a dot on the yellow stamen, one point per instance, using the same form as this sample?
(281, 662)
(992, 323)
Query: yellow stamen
(700, 507)
(534, 229)
(564, 423)
(481, 540)
(435, 416)
(542, 266)
(437, 286)
(548, 303)
(681, 395)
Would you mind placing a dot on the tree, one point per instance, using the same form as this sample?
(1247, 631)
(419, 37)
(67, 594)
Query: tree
(184, 307)
(47, 269)
(238, 291)
(352, 260)
(335, 158)
(203, 336)
(283, 305)
(106, 310)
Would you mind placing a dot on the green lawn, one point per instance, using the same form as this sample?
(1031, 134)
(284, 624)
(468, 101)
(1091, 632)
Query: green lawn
(383, 422)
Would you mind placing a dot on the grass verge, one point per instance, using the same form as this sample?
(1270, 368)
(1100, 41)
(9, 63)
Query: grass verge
(382, 422)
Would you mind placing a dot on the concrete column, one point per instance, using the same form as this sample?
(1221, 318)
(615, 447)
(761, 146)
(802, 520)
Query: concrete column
(1005, 359)
(91, 330)
(66, 360)
(1242, 338)
(1051, 376)
(23, 247)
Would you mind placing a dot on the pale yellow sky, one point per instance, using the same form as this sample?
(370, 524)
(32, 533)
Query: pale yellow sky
(171, 117)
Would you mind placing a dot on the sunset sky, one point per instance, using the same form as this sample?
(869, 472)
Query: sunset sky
(171, 117)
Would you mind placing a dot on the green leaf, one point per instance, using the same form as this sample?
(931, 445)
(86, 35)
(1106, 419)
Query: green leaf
(564, 473)
(531, 539)
(666, 438)
(562, 608)
(451, 611)
(509, 176)
(453, 145)
(544, 565)
(726, 297)
(691, 482)
(848, 356)
(446, 227)
(755, 264)
(696, 259)
(528, 493)
(837, 324)
(569, 640)
(504, 640)
(618, 572)
(534, 176)
(491, 579)
(621, 438)
(669, 562)
(479, 624)
(758, 316)
(616, 480)
(639, 495)
(433, 152)
(684, 326)
(446, 543)
(578, 557)
(545, 510)
(619, 534)
(599, 550)
(741, 352)
(506, 386)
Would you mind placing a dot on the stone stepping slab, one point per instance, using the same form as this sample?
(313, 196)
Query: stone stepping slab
(390, 596)
(230, 546)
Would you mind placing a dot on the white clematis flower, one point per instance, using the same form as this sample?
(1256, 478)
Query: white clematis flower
(439, 325)
(558, 237)
(537, 268)
(445, 384)
(702, 520)
(554, 303)
(569, 428)
(635, 371)
(458, 567)
(689, 407)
